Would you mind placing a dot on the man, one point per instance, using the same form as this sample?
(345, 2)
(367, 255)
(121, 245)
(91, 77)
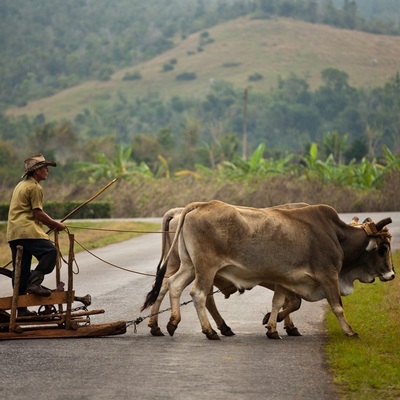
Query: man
(24, 227)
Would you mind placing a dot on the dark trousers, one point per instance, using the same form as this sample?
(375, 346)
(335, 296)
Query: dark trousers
(42, 249)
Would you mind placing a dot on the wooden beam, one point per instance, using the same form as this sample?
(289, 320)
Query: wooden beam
(27, 300)
(107, 329)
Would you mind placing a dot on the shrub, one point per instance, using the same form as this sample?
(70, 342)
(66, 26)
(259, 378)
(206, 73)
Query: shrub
(104, 74)
(205, 39)
(132, 76)
(231, 64)
(167, 67)
(255, 77)
(186, 76)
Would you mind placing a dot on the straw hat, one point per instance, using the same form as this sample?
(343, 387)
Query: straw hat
(35, 162)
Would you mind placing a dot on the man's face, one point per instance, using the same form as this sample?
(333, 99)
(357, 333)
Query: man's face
(41, 173)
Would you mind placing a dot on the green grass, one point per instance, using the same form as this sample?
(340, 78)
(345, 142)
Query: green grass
(369, 367)
(274, 48)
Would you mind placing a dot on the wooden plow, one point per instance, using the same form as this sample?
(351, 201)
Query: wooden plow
(58, 318)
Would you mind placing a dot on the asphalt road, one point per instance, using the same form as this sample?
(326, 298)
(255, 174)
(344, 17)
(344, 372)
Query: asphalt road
(187, 366)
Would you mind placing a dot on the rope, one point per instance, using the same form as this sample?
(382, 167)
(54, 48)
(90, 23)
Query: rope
(370, 228)
(117, 230)
(113, 265)
(137, 321)
(108, 230)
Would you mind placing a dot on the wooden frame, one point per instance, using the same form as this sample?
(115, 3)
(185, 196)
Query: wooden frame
(58, 323)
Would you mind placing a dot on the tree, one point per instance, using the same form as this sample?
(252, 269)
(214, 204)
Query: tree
(121, 166)
(373, 136)
(350, 14)
(335, 145)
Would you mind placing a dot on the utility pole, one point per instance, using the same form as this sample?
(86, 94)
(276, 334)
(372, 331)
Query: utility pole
(244, 134)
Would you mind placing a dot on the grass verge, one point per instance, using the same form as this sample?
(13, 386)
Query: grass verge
(369, 367)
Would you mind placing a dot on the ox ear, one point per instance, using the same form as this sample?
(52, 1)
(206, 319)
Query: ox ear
(381, 224)
(367, 220)
(372, 244)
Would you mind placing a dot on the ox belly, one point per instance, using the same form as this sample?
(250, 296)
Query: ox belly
(299, 282)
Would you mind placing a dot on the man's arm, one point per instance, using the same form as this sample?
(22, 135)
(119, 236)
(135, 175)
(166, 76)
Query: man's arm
(44, 218)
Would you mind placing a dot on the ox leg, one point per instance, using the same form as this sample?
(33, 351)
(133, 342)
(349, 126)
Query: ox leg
(332, 294)
(153, 320)
(172, 268)
(177, 283)
(292, 303)
(199, 292)
(277, 303)
(212, 308)
(337, 308)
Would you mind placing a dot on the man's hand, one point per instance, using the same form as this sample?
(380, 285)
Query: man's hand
(58, 226)
(44, 218)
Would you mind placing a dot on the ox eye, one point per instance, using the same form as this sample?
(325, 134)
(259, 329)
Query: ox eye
(383, 250)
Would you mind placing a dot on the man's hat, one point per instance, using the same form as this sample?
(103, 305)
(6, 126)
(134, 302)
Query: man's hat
(35, 162)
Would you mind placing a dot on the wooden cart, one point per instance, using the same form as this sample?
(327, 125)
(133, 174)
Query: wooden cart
(56, 317)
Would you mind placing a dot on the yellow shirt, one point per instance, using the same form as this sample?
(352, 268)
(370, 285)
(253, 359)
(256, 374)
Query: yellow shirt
(22, 224)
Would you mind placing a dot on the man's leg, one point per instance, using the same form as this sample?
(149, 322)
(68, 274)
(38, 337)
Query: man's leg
(26, 261)
(46, 253)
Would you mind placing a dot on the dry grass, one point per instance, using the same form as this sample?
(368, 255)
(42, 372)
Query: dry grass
(151, 198)
(274, 48)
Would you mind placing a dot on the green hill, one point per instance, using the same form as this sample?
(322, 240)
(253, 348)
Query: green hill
(234, 51)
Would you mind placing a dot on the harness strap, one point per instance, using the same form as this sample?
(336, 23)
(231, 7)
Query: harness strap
(370, 228)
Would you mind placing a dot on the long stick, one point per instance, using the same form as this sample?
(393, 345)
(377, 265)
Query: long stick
(88, 201)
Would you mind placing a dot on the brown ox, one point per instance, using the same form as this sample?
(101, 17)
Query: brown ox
(306, 251)
(169, 224)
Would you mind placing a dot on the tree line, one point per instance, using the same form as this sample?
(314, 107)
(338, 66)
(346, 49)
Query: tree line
(160, 137)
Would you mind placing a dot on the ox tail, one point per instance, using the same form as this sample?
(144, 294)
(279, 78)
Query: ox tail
(153, 294)
(165, 227)
(151, 297)
(165, 240)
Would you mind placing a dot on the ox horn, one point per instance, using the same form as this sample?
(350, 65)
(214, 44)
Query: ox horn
(85, 300)
(381, 224)
(354, 221)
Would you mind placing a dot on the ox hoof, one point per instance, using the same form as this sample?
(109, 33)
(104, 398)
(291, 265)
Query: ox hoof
(226, 331)
(266, 318)
(292, 331)
(355, 336)
(213, 336)
(156, 331)
(171, 328)
(273, 335)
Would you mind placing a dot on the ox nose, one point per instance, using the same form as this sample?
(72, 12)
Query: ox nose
(387, 277)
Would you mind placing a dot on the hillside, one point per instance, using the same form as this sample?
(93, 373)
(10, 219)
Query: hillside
(237, 49)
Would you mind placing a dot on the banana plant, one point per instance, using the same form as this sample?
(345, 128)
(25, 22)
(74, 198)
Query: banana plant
(121, 166)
